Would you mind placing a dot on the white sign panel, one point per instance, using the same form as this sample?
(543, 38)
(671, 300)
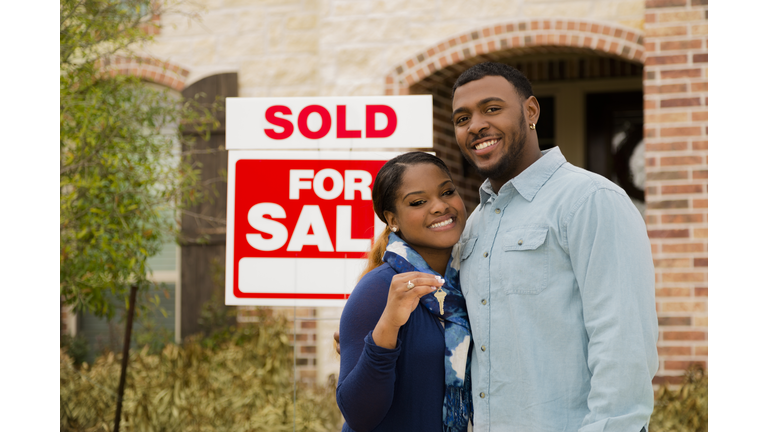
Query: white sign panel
(315, 123)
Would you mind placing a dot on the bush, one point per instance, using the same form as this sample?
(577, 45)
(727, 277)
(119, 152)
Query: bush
(242, 384)
(76, 347)
(683, 410)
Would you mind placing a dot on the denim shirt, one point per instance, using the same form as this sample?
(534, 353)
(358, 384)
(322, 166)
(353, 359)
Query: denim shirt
(559, 282)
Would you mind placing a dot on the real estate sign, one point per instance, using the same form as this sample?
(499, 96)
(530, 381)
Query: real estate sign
(300, 222)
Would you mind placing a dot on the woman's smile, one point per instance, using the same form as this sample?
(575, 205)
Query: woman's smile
(443, 222)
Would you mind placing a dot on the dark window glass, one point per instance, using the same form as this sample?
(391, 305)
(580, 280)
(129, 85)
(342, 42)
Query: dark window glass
(545, 128)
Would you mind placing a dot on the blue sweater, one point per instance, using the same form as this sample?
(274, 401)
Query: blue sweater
(383, 389)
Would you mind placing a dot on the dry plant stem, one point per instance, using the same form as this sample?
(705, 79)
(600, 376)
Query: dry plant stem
(126, 350)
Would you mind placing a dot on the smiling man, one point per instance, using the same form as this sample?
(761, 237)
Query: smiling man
(557, 272)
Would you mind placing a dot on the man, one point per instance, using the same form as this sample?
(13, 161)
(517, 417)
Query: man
(557, 272)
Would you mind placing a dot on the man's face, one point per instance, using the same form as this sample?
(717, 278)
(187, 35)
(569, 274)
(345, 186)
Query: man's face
(490, 126)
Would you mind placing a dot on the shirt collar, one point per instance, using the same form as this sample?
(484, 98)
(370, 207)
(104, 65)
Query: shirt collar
(528, 182)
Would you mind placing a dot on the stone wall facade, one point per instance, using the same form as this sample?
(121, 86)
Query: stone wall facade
(343, 47)
(378, 47)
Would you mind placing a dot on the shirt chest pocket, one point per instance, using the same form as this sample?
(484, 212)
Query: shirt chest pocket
(525, 261)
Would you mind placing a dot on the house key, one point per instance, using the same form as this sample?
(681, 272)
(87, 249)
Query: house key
(440, 295)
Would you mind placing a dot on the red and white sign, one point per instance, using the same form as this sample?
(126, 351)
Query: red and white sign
(314, 123)
(299, 225)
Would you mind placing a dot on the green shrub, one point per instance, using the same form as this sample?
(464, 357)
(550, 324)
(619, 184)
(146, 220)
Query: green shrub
(76, 347)
(683, 410)
(241, 384)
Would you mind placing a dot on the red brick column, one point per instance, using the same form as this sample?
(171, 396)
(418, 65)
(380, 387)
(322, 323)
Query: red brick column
(675, 86)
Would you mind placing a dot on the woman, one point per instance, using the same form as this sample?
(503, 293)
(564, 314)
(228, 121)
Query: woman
(404, 333)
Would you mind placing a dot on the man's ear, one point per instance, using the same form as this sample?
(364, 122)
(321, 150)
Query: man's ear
(532, 110)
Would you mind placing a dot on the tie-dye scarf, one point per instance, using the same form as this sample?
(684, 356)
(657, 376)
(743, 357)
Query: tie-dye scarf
(457, 403)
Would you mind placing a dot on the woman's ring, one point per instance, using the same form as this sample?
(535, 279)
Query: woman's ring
(410, 285)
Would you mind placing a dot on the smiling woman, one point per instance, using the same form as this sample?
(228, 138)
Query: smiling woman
(429, 213)
(404, 332)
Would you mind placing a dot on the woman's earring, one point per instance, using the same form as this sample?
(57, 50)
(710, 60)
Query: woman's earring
(532, 126)
(394, 229)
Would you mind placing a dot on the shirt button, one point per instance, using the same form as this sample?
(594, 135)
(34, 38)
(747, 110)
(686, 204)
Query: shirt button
(498, 211)
(485, 255)
(482, 395)
(520, 242)
(483, 348)
(483, 301)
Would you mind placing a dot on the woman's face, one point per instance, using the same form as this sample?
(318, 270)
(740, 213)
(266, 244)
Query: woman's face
(429, 213)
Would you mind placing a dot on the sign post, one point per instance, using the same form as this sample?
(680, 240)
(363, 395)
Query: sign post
(300, 218)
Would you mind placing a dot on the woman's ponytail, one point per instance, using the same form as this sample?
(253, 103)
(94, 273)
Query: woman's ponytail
(376, 255)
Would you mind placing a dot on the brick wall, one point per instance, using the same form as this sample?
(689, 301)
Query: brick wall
(149, 69)
(676, 102)
(304, 338)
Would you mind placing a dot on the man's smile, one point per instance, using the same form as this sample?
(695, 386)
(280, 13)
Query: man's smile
(483, 143)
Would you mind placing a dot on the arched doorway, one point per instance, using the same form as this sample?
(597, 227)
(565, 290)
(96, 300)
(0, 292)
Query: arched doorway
(587, 77)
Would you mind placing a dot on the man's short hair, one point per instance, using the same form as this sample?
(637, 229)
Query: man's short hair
(481, 70)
